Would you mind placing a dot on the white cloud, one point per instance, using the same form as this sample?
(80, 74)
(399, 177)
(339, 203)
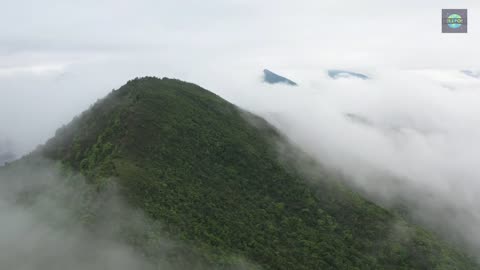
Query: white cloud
(89, 47)
(40, 70)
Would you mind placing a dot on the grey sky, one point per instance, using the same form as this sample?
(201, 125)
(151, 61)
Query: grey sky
(67, 54)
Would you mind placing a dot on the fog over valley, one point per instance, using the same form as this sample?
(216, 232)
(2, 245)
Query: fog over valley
(372, 94)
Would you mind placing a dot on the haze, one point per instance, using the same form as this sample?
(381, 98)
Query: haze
(58, 57)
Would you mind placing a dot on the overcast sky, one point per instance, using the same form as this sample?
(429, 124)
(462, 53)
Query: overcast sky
(57, 57)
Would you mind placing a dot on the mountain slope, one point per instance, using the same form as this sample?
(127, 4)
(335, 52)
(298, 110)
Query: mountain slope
(191, 160)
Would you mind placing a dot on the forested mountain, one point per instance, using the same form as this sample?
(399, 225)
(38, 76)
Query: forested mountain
(210, 173)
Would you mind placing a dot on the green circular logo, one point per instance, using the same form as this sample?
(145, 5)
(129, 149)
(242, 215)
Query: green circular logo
(454, 21)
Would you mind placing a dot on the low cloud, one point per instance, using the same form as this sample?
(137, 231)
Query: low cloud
(40, 70)
(424, 131)
(53, 219)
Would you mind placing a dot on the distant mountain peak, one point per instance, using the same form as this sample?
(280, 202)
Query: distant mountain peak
(273, 78)
(339, 74)
(471, 73)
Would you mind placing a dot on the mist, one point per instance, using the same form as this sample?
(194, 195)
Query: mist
(58, 57)
(418, 143)
(55, 219)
